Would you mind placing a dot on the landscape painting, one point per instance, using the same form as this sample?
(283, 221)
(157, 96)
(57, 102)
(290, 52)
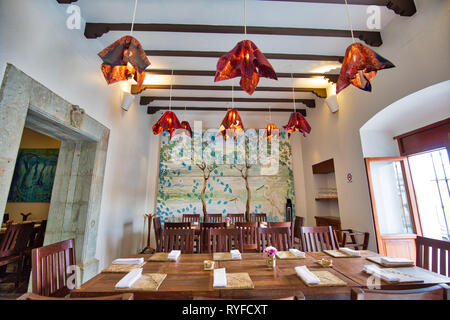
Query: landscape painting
(33, 175)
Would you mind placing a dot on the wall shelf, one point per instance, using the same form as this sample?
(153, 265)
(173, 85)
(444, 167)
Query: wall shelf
(326, 198)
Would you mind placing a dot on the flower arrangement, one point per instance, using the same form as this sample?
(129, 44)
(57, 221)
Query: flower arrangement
(270, 251)
(228, 219)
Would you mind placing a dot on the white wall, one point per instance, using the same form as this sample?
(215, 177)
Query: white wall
(419, 48)
(34, 37)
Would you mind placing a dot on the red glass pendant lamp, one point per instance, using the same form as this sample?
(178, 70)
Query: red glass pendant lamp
(297, 123)
(232, 121)
(245, 60)
(187, 127)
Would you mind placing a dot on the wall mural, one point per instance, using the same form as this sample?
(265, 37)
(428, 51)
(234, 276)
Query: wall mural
(33, 175)
(194, 183)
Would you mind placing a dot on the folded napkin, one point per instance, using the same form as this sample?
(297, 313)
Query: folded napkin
(220, 278)
(396, 261)
(297, 253)
(235, 254)
(129, 261)
(380, 273)
(174, 254)
(307, 276)
(350, 251)
(130, 278)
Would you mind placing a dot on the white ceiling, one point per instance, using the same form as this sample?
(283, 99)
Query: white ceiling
(230, 12)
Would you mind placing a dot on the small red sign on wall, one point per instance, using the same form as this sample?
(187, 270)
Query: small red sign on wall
(349, 178)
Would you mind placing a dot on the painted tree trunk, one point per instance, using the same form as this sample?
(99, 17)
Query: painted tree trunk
(203, 197)
(247, 205)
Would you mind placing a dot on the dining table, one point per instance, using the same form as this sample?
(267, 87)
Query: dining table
(186, 278)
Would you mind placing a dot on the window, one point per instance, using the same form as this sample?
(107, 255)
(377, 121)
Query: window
(431, 173)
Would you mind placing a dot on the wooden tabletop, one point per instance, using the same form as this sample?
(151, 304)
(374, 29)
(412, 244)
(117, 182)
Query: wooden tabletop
(186, 278)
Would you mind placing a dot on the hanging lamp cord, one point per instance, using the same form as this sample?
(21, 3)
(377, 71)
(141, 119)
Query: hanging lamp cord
(349, 20)
(293, 91)
(134, 17)
(170, 92)
(245, 18)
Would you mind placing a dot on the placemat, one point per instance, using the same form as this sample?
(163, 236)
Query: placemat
(287, 255)
(119, 268)
(327, 279)
(160, 257)
(339, 254)
(147, 282)
(239, 280)
(378, 261)
(223, 256)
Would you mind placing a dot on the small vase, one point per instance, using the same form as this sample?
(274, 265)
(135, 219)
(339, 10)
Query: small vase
(271, 262)
(228, 224)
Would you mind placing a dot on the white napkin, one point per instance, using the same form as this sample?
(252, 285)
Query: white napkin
(130, 278)
(235, 254)
(174, 254)
(380, 273)
(129, 261)
(220, 278)
(195, 223)
(307, 276)
(350, 251)
(297, 253)
(396, 261)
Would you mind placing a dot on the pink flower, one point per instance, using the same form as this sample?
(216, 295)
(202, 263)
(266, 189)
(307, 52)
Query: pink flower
(227, 219)
(270, 251)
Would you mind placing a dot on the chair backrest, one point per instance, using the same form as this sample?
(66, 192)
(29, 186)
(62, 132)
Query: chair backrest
(191, 217)
(249, 235)
(177, 225)
(439, 255)
(299, 222)
(275, 237)
(38, 234)
(318, 239)
(177, 239)
(258, 217)
(50, 268)
(33, 296)
(213, 217)
(204, 227)
(16, 238)
(224, 240)
(353, 239)
(158, 229)
(287, 224)
(438, 292)
(236, 217)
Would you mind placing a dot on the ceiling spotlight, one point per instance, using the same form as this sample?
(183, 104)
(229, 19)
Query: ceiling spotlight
(127, 99)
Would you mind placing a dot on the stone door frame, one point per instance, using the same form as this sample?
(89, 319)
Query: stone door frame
(77, 191)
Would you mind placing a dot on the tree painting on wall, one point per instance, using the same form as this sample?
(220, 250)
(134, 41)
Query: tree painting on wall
(33, 175)
(200, 185)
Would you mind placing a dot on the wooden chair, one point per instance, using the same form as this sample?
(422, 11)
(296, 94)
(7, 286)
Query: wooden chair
(213, 218)
(315, 239)
(299, 222)
(249, 235)
(177, 225)
(204, 227)
(275, 237)
(284, 225)
(438, 248)
(224, 240)
(36, 241)
(12, 247)
(177, 239)
(158, 229)
(50, 268)
(353, 239)
(191, 218)
(258, 217)
(236, 217)
(33, 296)
(437, 292)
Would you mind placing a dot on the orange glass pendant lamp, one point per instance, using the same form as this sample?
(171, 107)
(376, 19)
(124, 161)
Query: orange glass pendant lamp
(270, 128)
(124, 59)
(168, 122)
(297, 123)
(187, 127)
(232, 121)
(245, 61)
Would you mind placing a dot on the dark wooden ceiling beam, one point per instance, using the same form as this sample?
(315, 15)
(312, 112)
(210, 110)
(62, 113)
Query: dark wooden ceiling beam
(218, 54)
(319, 92)
(95, 30)
(66, 1)
(310, 103)
(405, 8)
(154, 109)
(207, 73)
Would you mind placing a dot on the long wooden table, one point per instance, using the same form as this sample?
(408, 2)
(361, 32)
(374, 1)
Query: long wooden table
(186, 278)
